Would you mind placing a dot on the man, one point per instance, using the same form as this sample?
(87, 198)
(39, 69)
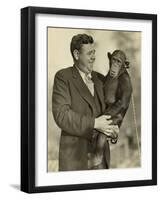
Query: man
(77, 105)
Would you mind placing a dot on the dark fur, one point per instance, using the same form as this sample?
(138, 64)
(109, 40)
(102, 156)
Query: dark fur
(117, 93)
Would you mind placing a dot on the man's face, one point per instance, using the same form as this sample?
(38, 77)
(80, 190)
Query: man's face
(86, 57)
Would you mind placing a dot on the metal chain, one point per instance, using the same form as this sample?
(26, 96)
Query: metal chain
(135, 121)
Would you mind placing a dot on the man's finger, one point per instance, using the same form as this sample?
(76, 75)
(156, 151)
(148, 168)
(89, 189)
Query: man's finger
(108, 134)
(111, 134)
(116, 129)
(107, 116)
(109, 122)
(108, 126)
(115, 126)
(108, 131)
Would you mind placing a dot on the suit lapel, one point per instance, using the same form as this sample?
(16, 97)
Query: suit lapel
(82, 88)
(99, 89)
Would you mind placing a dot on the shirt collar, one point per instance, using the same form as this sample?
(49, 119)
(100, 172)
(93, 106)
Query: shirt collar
(83, 74)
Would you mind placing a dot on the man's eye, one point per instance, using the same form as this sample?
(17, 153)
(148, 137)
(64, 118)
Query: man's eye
(91, 53)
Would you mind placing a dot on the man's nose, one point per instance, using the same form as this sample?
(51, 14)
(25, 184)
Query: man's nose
(93, 57)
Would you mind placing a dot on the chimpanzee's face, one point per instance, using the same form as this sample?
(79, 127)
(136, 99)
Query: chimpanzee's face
(115, 65)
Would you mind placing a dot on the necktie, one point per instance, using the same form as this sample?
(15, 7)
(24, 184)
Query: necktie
(89, 83)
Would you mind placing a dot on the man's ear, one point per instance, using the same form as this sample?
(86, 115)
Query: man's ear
(76, 54)
(127, 63)
(109, 55)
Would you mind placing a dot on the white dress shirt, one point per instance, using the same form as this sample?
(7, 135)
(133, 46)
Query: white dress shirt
(87, 78)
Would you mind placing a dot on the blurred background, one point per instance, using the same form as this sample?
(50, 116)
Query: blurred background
(124, 154)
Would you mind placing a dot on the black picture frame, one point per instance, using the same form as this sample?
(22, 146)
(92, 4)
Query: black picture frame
(28, 98)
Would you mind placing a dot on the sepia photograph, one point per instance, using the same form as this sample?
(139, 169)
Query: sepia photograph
(88, 99)
(94, 99)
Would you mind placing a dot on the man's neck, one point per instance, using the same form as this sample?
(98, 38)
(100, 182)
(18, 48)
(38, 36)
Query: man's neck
(81, 69)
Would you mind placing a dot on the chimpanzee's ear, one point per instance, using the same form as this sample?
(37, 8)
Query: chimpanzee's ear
(109, 55)
(127, 63)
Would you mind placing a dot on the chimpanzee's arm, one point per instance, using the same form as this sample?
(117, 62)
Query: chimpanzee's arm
(123, 100)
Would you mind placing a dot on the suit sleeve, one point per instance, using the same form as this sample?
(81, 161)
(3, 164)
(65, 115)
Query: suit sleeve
(68, 120)
(123, 101)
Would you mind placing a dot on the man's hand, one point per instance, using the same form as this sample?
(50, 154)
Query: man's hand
(113, 132)
(102, 123)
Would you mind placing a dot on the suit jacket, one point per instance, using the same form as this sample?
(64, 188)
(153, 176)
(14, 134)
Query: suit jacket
(74, 111)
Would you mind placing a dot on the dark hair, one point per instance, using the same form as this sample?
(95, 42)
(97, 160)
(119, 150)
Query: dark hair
(79, 40)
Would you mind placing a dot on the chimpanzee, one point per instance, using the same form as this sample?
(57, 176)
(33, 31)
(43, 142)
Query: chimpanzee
(117, 90)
